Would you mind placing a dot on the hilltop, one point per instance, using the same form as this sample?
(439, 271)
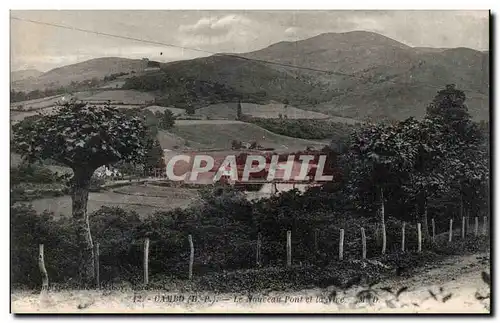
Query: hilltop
(87, 70)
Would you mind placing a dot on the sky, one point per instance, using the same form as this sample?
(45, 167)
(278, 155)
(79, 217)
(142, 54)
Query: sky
(45, 47)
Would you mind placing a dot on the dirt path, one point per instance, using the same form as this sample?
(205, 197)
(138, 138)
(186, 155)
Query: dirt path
(459, 276)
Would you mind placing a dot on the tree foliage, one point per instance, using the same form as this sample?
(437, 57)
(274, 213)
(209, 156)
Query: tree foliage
(80, 135)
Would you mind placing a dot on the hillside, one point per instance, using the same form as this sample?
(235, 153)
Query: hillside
(24, 74)
(272, 110)
(206, 134)
(94, 68)
(355, 75)
(365, 75)
(348, 52)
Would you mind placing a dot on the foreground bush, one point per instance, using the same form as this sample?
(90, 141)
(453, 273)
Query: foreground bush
(224, 227)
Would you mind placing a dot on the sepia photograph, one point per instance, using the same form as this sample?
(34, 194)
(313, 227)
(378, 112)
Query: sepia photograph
(250, 161)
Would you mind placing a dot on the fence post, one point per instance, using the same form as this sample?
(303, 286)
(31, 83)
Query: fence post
(289, 248)
(476, 226)
(419, 231)
(191, 256)
(485, 226)
(316, 236)
(96, 264)
(403, 237)
(450, 236)
(146, 261)
(43, 270)
(463, 227)
(467, 227)
(341, 245)
(433, 230)
(363, 242)
(259, 244)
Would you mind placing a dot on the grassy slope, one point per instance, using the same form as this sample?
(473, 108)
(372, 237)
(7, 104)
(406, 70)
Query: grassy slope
(219, 134)
(270, 110)
(94, 68)
(170, 198)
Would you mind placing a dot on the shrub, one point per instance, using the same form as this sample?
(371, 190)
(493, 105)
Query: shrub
(28, 230)
(32, 173)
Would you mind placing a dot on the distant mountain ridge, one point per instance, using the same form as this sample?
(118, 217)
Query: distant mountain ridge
(354, 74)
(93, 68)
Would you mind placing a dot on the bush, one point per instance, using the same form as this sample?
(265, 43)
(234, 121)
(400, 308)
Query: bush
(32, 173)
(28, 230)
(458, 247)
(224, 227)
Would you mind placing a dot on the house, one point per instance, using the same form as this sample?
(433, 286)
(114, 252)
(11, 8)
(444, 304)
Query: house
(107, 172)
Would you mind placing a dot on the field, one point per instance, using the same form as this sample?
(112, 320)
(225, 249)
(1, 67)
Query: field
(220, 133)
(271, 110)
(143, 199)
(37, 103)
(175, 111)
(123, 96)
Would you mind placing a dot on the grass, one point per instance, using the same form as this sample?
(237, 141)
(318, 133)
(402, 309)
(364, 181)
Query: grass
(175, 111)
(37, 103)
(271, 110)
(125, 96)
(142, 199)
(220, 133)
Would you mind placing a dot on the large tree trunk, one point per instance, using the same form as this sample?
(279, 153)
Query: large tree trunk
(79, 197)
(382, 222)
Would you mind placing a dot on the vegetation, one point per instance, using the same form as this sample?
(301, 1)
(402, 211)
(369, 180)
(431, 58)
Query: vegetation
(306, 128)
(388, 173)
(74, 138)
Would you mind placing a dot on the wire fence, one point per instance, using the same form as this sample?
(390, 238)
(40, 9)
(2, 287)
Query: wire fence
(454, 231)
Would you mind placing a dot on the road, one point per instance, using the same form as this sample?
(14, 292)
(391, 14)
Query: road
(459, 276)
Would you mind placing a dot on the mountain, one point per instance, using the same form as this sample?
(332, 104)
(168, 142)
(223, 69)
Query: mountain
(385, 78)
(24, 74)
(348, 52)
(94, 68)
(354, 74)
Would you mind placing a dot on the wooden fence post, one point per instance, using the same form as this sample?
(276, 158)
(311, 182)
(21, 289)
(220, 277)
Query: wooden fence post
(146, 261)
(485, 226)
(316, 237)
(403, 237)
(259, 244)
(463, 227)
(476, 226)
(43, 270)
(419, 231)
(289, 248)
(433, 230)
(96, 264)
(341, 245)
(450, 236)
(363, 242)
(467, 226)
(191, 256)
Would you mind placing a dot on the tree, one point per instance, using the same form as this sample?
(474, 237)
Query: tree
(463, 140)
(239, 114)
(154, 156)
(190, 109)
(378, 159)
(428, 174)
(286, 102)
(83, 138)
(167, 120)
(236, 144)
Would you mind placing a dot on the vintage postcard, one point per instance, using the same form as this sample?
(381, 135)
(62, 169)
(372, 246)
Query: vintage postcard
(203, 161)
